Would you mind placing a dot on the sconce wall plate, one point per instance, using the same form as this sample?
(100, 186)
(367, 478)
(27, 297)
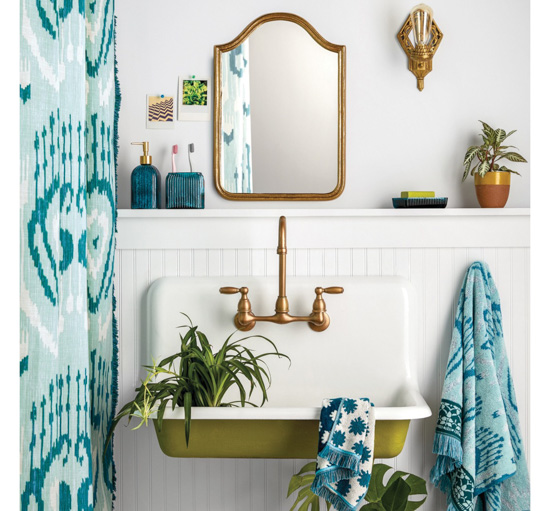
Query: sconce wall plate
(420, 57)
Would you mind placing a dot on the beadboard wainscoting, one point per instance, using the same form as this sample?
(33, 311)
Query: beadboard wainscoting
(431, 248)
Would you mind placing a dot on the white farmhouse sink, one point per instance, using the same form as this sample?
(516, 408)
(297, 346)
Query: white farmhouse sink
(365, 352)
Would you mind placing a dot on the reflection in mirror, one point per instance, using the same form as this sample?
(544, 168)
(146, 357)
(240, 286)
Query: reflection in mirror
(279, 112)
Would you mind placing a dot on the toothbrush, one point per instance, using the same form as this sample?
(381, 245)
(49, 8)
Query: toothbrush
(174, 152)
(191, 149)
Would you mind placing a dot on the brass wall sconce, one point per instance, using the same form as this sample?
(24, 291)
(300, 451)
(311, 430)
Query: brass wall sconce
(427, 38)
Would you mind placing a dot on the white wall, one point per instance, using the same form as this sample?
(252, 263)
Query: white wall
(150, 246)
(397, 137)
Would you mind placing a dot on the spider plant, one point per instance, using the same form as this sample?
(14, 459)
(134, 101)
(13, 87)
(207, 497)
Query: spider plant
(198, 376)
(392, 496)
(489, 153)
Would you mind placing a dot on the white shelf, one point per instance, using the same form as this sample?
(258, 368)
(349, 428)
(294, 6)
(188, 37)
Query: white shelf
(323, 228)
(276, 212)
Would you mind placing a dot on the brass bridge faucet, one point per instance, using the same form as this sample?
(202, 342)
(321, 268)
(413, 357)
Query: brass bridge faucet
(318, 320)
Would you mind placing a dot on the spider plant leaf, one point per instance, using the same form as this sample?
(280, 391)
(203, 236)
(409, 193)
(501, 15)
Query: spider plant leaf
(187, 400)
(190, 322)
(188, 337)
(206, 348)
(168, 360)
(160, 413)
(236, 381)
(242, 368)
(262, 386)
(124, 411)
(176, 397)
(265, 339)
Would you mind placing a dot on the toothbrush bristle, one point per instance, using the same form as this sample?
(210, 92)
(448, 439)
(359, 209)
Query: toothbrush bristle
(191, 148)
(175, 149)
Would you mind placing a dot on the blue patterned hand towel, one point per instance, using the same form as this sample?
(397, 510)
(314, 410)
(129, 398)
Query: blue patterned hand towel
(481, 460)
(346, 444)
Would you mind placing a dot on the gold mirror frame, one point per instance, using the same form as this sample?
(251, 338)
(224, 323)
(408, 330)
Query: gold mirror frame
(341, 51)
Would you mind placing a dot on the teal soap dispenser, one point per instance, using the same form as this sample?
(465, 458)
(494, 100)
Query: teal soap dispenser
(145, 182)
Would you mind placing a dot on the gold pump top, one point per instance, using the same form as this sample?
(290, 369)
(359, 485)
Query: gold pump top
(146, 159)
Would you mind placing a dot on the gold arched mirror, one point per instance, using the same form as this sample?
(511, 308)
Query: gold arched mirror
(279, 108)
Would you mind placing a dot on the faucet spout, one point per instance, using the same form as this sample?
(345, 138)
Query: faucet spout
(245, 319)
(281, 305)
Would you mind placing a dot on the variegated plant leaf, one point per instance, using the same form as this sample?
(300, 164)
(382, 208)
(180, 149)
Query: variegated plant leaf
(510, 133)
(515, 157)
(470, 154)
(489, 133)
(490, 152)
(483, 168)
(500, 135)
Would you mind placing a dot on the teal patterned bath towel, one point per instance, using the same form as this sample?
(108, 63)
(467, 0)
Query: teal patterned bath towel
(481, 457)
(346, 445)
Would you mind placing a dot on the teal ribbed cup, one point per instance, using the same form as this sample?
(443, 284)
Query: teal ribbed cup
(185, 190)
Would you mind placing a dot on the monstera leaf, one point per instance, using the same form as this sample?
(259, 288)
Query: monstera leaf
(302, 481)
(392, 496)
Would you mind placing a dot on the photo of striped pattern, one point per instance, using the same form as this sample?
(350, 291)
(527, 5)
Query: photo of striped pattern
(161, 109)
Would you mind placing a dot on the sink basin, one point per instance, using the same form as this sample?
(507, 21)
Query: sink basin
(366, 351)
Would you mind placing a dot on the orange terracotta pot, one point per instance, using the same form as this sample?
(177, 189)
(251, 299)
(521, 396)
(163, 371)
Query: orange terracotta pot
(492, 189)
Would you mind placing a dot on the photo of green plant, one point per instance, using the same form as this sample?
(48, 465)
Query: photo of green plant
(195, 92)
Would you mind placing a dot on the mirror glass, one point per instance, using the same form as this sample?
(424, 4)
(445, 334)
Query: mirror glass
(279, 112)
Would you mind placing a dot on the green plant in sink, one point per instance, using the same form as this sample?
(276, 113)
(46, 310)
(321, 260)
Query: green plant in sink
(392, 496)
(198, 376)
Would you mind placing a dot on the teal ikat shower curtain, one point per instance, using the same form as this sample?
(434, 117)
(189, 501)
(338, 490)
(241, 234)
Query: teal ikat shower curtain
(68, 357)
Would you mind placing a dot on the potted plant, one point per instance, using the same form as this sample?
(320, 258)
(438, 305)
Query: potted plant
(492, 179)
(392, 496)
(197, 376)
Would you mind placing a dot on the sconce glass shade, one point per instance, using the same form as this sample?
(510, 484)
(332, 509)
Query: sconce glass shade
(421, 19)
